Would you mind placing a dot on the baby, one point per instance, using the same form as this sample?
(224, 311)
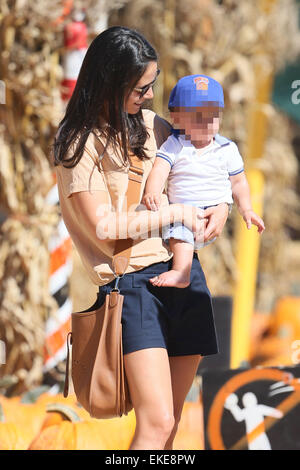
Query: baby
(203, 169)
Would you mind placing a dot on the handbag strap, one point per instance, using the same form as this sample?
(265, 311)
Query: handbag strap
(66, 384)
(123, 247)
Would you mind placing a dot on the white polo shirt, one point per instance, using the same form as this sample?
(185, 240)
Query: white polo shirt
(200, 177)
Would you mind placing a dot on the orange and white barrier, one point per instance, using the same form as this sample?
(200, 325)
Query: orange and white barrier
(60, 245)
(59, 324)
(75, 44)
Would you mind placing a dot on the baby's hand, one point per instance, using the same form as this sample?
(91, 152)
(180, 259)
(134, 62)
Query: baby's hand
(251, 217)
(152, 201)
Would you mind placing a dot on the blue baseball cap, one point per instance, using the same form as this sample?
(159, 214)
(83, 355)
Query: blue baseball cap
(196, 91)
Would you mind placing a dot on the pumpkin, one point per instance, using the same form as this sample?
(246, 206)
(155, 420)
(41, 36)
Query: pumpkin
(56, 414)
(13, 436)
(64, 429)
(25, 416)
(69, 436)
(273, 346)
(286, 318)
(50, 424)
(277, 360)
(71, 402)
(190, 433)
(46, 398)
(260, 323)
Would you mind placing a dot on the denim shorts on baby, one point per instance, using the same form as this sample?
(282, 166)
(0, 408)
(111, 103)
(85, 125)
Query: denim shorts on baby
(180, 232)
(179, 320)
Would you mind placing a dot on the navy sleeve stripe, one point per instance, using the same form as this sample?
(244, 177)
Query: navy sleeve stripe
(236, 172)
(165, 158)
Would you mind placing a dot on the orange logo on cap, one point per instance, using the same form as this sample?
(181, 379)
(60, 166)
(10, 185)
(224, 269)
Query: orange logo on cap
(201, 83)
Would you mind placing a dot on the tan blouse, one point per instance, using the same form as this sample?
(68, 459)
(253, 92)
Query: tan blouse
(97, 255)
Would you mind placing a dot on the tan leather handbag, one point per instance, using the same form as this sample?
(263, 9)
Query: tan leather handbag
(98, 373)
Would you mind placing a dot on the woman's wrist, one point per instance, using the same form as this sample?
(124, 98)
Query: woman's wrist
(188, 215)
(176, 212)
(226, 205)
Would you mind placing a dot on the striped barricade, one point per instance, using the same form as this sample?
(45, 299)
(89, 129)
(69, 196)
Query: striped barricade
(59, 324)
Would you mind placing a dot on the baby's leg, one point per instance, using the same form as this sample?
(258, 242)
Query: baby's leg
(179, 275)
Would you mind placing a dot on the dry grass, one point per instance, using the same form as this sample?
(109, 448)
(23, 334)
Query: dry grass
(191, 36)
(30, 46)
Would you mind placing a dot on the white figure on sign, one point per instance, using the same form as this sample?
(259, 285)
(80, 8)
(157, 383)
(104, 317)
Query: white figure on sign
(253, 415)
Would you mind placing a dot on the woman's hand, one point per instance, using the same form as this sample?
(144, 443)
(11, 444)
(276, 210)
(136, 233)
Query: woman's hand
(190, 216)
(217, 216)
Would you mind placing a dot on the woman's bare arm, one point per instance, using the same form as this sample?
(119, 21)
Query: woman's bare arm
(101, 222)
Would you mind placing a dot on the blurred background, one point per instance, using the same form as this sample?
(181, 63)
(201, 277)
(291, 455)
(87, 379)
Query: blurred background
(252, 48)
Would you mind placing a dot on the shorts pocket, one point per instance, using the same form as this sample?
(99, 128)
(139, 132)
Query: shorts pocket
(139, 284)
(152, 300)
(155, 308)
(146, 311)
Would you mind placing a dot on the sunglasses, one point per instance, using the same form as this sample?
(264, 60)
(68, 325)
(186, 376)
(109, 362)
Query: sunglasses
(143, 90)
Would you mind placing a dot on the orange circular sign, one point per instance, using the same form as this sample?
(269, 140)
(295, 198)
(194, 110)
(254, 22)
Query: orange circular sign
(233, 384)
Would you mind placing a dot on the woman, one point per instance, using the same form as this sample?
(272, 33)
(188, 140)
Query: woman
(165, 330)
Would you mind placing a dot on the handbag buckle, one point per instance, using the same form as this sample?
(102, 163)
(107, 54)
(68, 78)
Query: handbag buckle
(116, 288)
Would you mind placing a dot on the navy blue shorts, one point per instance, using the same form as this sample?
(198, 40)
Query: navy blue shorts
(180, 320)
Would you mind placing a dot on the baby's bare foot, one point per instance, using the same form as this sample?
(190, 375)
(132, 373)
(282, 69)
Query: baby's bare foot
(171, 278)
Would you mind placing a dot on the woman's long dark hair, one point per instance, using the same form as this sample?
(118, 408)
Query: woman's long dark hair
(112, 66)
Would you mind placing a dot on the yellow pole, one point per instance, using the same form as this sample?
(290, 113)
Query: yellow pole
(248, 241)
